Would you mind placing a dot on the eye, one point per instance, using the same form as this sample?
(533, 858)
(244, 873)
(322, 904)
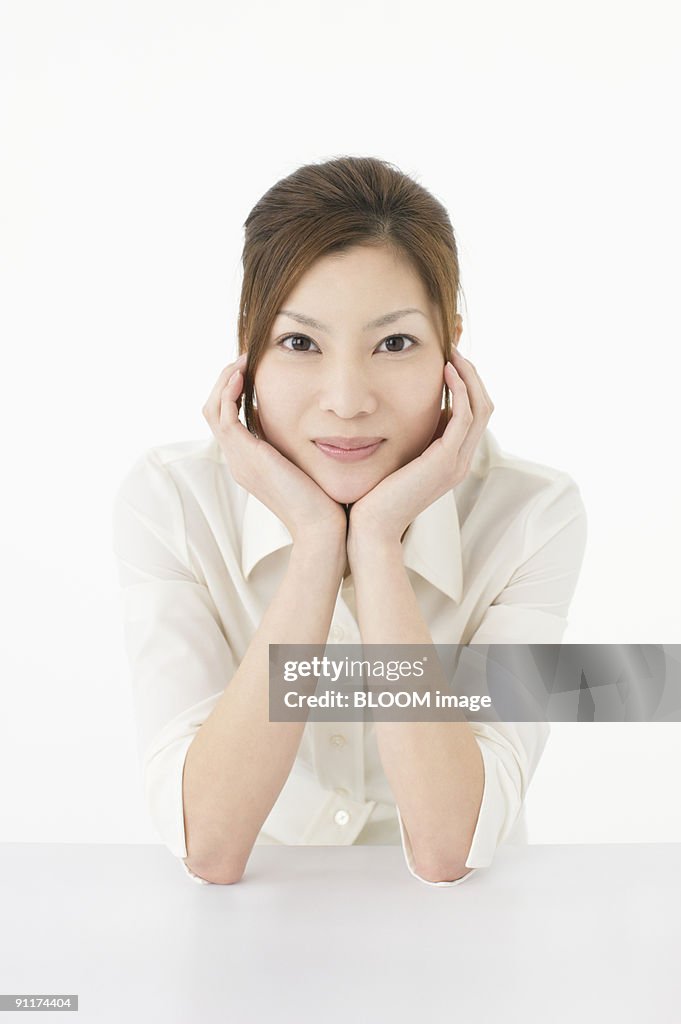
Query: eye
(304, 339)
(296, 337)
(398, 337)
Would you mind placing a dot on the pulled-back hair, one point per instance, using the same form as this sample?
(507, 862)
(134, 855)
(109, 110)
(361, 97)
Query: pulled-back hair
(327, 208)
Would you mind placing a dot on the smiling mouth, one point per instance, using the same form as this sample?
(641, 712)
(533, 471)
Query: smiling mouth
(348, 454)
(347, 443)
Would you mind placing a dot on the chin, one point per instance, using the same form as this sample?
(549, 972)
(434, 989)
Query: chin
(344, 492)
(345, 495)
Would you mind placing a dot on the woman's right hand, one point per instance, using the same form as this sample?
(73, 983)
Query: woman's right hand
(256, 465)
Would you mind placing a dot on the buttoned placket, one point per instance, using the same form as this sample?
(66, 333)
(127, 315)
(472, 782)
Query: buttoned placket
(338, 753)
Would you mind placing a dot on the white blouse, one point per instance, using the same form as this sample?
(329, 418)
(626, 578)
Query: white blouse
(495, 560)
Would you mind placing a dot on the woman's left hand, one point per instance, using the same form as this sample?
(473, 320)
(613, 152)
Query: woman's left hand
(388, 509)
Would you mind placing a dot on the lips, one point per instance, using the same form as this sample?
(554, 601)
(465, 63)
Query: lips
(348, 443)
(358, 454)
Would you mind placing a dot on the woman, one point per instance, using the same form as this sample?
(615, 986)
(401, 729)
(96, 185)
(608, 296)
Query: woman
(353, 506)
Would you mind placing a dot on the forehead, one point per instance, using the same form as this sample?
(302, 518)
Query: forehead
(365, 281)
(355, 263)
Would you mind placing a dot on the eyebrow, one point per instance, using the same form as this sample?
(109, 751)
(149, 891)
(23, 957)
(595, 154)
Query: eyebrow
(381, 321)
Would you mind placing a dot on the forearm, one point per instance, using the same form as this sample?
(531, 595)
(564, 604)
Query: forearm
(435, 769)
(239, 761)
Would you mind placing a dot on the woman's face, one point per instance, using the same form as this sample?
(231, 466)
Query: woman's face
(344, 378)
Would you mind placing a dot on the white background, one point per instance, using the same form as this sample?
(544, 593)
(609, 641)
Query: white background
(136, 138)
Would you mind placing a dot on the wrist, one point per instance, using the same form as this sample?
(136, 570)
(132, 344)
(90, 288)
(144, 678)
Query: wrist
(366, 530)
(369, 544)
(323, 546)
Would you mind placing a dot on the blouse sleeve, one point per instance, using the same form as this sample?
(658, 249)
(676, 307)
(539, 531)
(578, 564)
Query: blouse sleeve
(531, 609)
(179, 657)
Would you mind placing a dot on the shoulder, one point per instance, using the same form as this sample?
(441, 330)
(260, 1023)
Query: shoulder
(174, 492)
(183, 455)
(169, 481)
(522, 476)
(183, 486)
(174, 462)
(540, 497)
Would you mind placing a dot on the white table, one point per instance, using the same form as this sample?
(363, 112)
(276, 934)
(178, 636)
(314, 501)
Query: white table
(547, 934)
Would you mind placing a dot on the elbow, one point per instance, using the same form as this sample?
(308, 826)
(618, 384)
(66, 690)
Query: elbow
(225, 876)
(441, 865)
(215, 862)
(442, 872)
(224, 873)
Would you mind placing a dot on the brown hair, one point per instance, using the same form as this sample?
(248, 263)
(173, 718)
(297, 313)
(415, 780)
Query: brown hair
(327, 208)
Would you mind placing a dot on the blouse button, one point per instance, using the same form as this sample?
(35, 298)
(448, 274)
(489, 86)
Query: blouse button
(338, 740)
(341, 817)
(337, 633)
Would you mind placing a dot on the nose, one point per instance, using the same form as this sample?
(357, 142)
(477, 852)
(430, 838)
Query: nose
(347, 392)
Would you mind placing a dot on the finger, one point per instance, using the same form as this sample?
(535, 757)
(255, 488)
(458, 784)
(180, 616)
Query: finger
(211, 408)
(444, 419)
(476, 420)
(462, 414)
(470, 374)
(228, 410)
(212, 402)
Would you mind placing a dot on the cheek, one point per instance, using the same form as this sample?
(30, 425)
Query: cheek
(270, 399)
(279, 417)
(419, 424)
(425, 389)
(423, 410)
(274, 388)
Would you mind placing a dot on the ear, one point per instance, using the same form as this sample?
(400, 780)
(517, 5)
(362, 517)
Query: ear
(458, 329)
